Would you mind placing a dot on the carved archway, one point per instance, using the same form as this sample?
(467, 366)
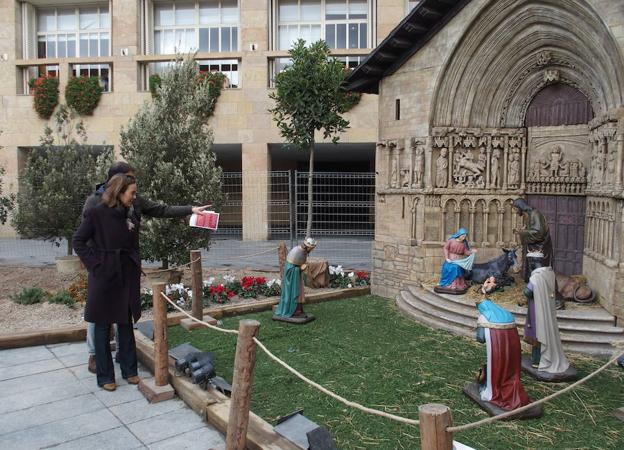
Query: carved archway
(513, 49)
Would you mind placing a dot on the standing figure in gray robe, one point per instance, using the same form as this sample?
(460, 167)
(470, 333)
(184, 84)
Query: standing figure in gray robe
(536, 236)
(541, 330)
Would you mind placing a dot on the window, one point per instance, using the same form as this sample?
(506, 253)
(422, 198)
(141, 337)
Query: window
(101, 71)
(31, 73)
(207, 26)
(341, 23)
(228, 67)
(280, 64)
(72, 32)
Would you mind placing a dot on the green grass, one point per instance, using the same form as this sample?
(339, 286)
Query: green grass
(364, 350)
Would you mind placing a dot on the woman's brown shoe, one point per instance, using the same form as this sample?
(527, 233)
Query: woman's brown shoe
(133, 380)
(110, 387)
(92, 365)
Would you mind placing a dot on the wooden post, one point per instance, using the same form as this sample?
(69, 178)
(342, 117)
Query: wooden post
(158, 389)
(196, 283)
(434, 420)
(161, 352)
(281, 256)
(244, 363)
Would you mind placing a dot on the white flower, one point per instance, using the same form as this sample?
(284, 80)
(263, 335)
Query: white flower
(180, 303)
(229, 278)
(189, 293)
(332, 270)
(209, 281)
(147, 291)
(349, 285)
(351, 275)
(279, 282)
(270, 283)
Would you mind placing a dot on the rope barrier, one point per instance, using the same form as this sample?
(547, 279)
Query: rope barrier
(176, 267)
(255, 254)
(195, 319)
(489, 420)
(331, 394)
(298, 374)
(394, 417)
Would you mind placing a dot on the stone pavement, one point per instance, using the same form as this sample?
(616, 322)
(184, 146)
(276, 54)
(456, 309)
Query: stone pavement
(48, 399)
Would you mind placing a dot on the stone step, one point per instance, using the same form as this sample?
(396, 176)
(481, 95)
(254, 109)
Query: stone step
(574, 323)
(593, 316)
(594, 336)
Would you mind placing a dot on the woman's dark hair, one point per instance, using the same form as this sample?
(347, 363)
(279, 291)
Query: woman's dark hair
(120, 167)
(116, 186)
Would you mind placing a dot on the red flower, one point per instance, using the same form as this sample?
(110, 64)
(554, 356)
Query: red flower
(230, 294)
(260, 280)
(247, 282)
(362, 275)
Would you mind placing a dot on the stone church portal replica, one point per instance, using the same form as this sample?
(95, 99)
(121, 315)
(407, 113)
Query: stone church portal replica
(485, 101)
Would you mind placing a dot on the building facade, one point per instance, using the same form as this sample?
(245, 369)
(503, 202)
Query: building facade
(484, 101)
(123, 42)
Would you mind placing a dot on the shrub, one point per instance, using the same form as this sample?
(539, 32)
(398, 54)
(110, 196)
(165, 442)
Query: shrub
(83, 94)
(29, 296)
(218, 294)
(63, 298)
(57, 178)
(169, 143)
(45, 94)
(154, 83)
(7, 202)
(338, 278)
(78, 289)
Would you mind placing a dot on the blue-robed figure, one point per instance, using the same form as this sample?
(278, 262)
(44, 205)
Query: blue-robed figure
(458, 258)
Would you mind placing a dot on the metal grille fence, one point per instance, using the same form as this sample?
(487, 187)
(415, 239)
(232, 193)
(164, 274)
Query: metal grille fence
(343, 221)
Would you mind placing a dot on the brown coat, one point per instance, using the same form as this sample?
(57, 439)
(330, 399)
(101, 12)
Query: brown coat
(113, 263)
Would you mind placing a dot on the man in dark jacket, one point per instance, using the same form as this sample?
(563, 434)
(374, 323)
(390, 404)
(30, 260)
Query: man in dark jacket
(141, 206)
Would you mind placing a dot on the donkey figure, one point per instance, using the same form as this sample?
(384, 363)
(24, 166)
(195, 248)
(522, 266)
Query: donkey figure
(496, 267)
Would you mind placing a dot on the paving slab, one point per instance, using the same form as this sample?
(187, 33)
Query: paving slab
(60, 431)
(48, 399)
(165, 426)
(35, 381)
(30, 368)
(17, 356)
(198, 439)
(118, 438)
(49, 412)
(141, 409)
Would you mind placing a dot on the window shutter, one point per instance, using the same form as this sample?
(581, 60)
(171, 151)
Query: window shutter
(29, 31)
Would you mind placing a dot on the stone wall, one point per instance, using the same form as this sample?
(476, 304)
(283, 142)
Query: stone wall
(459, 152)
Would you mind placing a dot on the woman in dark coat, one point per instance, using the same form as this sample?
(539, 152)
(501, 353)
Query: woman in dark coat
(114, 267)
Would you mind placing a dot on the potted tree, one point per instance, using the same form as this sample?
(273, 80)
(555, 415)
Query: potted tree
(169, 143)
(58, 177)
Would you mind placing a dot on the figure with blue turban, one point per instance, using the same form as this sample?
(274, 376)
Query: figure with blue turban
(498, 387)
(458, 259)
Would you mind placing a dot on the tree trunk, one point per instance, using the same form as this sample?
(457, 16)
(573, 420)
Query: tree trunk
(70, 249)
(310, 192)
(165, 263)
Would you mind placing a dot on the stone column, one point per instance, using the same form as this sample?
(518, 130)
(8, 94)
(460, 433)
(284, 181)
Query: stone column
(256, 165)
(125, 27)
(619, 161)
(428, 165)
(505, 158)
(472, 222)
(523, 165)
(487, 167)
(411, 167)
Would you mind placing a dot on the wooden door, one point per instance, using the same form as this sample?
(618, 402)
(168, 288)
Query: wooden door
(566, 219)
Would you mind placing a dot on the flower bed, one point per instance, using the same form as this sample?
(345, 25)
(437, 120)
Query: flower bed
(339, 279)
(217, 293)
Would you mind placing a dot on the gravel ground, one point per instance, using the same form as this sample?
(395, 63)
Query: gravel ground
(15, 318)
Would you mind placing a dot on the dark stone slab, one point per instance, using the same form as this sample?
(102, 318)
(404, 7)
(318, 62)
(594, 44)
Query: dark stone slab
(182, 350)
(445, 290)
(320, 439)
(569, 375)
(147, 328)
(300, 320)
(472, 392)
